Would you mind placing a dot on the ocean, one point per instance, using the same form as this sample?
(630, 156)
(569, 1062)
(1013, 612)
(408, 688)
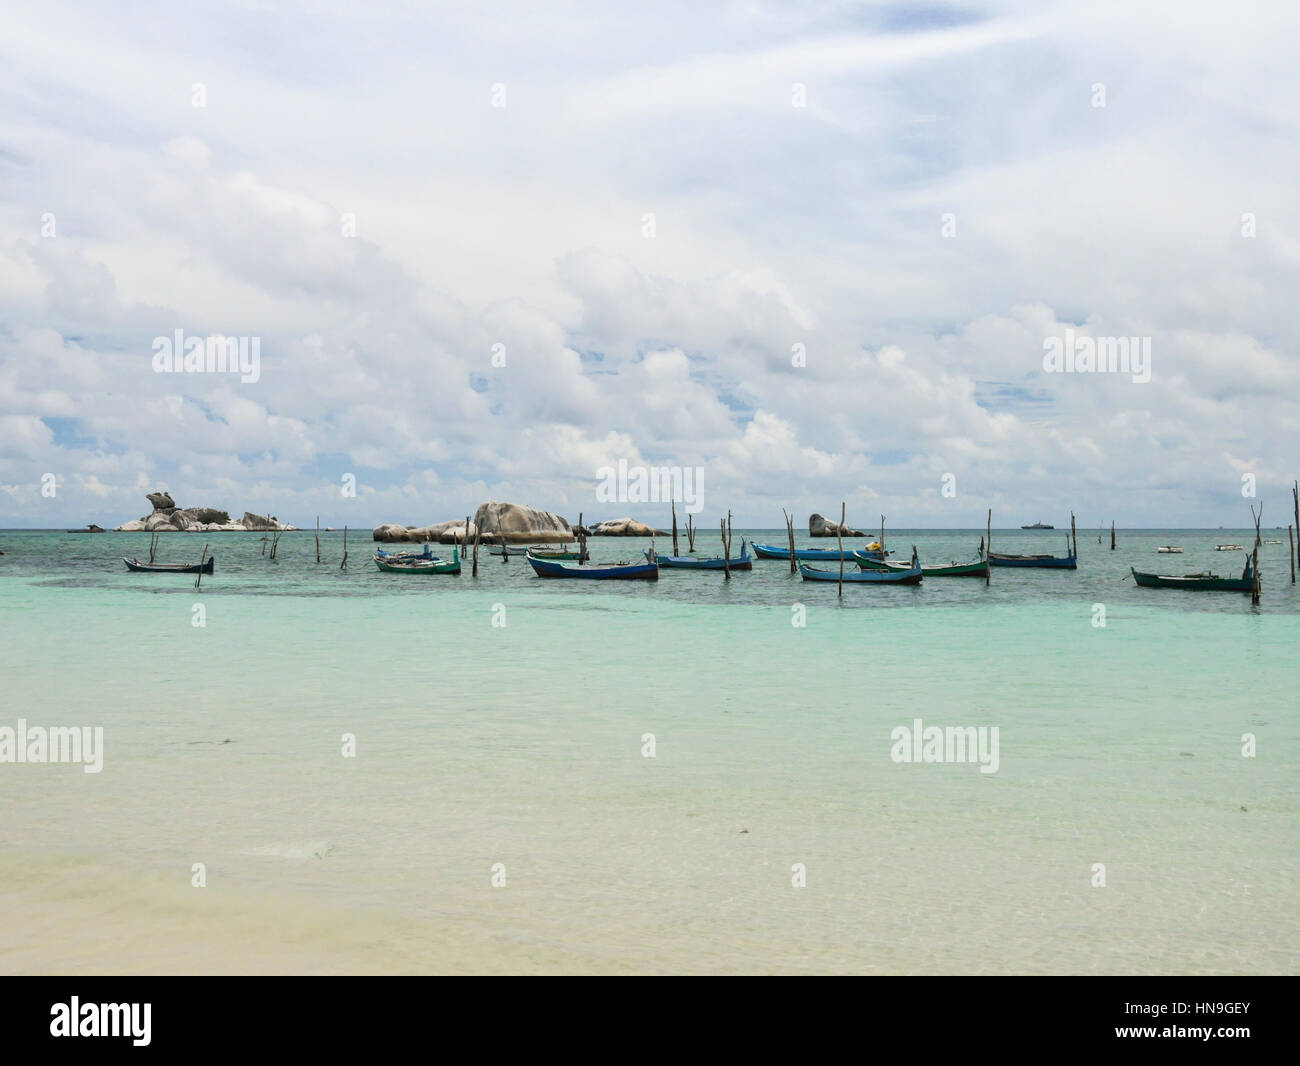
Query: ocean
(351, 771)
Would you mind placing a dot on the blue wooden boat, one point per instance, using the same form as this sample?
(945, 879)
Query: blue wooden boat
(624, 571)
(1042, 562)
(744, 561)
(910, 576)
(815, 555)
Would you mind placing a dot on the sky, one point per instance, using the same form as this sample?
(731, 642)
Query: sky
(814, 251)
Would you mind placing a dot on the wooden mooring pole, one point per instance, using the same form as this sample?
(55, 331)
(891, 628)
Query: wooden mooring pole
(789, 529)
(1254, 557)
(1290, 539)
(726, 547)
(1295, 498)
(988, 550)
(839, 539)
(202, 559)
(675, 549)
(344, 564)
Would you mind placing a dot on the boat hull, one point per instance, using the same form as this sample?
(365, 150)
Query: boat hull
(910, 576)
(814, 555)
(1038, 562)
(426, 555)
(561, 554)
(1193, 582)
(137, 567)
(391, 565)
(979, 569)
(744, 561)
(625, 572)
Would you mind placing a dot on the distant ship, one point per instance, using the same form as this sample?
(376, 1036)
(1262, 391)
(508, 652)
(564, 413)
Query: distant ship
(1038, 525)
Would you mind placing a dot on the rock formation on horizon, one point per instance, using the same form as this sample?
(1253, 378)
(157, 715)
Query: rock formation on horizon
(824, 527)
(513, 523)
(625, 527)
(168, 518)
(494, 521)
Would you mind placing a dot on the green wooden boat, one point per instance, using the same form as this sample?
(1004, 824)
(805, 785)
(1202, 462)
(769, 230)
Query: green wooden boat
(980, 568)
(392, 565)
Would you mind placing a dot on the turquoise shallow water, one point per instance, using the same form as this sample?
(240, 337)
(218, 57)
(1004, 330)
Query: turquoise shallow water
(522, 745)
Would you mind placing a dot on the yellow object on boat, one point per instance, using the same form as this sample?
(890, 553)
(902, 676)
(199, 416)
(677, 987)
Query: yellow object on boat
(875, 546)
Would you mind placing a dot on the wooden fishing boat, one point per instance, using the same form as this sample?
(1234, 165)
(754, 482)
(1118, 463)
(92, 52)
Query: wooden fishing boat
(1228, 548)
(979, 568)
(1205, 582)
(815, 555)
(744, 561)
(1042, 562)
(509, 552)
(538, 552)
(1169, 549)
(910, 576)
(135, 566)
(391, 565)
(618, 571)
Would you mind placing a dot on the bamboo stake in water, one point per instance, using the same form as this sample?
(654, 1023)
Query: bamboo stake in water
(988, 550)
(789, 528)
(1254, 565)
(318, 538)
(344, 564)
(676, 551)
(839, 539)
(1112, 535)
(882, 531)
(202, 559)
(1074, 535)
(1290, 539)
(1295, 496)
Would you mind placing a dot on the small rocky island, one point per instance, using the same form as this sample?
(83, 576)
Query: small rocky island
(168, 518)
(512, 523)
(824, 527)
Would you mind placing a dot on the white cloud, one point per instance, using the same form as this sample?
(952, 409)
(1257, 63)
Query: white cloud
(774, 227)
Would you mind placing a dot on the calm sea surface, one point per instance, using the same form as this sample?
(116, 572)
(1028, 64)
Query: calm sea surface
(501, 728)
